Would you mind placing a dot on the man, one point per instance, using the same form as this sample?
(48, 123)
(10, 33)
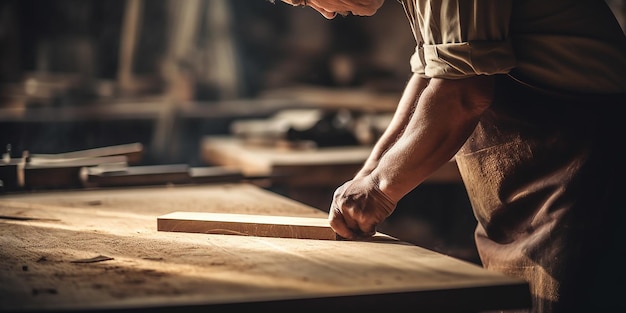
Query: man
(525, 95)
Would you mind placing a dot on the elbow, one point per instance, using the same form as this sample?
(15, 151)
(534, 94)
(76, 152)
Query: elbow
(473, 95)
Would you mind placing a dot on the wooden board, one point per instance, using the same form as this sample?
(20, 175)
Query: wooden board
(295, 167)
(111, 176)
(132, 151)
(247, 225)
(99, 250)
(61, 173)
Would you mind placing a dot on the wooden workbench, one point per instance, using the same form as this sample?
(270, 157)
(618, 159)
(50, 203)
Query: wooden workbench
(306, 175)
(299, 167)
(100, 250)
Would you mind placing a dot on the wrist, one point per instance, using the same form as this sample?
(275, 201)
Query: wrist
(366, 170)
(387, 188)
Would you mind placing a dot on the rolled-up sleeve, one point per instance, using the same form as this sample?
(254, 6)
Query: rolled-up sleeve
(462, 38)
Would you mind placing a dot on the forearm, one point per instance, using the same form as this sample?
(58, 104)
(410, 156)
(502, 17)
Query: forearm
(446, 114)
(394, 130)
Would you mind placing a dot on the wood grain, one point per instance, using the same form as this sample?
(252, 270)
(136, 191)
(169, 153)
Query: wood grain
(247, 225)
(145, 270)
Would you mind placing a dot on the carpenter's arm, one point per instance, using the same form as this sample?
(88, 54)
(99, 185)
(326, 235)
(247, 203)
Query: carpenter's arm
(398, 123)
(446, 114)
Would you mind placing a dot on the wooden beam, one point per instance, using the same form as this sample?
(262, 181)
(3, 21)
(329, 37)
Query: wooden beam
(131, 28)
(247, 225)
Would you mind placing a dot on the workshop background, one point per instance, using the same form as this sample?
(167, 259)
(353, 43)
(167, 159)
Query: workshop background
(171, 75)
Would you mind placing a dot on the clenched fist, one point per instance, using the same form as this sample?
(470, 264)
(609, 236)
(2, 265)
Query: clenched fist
(358, 206)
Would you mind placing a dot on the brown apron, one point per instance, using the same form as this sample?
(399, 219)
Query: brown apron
(543, 174)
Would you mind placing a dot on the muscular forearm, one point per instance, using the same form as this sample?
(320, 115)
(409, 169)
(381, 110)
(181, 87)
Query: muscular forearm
(446, 114)
(402, 115)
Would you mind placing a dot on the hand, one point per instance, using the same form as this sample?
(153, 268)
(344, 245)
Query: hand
(358, 206)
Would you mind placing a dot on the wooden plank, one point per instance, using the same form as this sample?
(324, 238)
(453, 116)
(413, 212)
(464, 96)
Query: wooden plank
(132, 151)
(323, 166)
(110, 176)
(61, 173)
(117, 176)
(247, 225)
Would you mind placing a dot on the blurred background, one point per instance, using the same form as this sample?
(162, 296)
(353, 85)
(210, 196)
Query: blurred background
(134, 60)
(264, 92)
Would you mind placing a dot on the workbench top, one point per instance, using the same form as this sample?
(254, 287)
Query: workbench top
(100, 250)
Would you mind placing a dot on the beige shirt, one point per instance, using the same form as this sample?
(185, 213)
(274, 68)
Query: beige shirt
(561, 45)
